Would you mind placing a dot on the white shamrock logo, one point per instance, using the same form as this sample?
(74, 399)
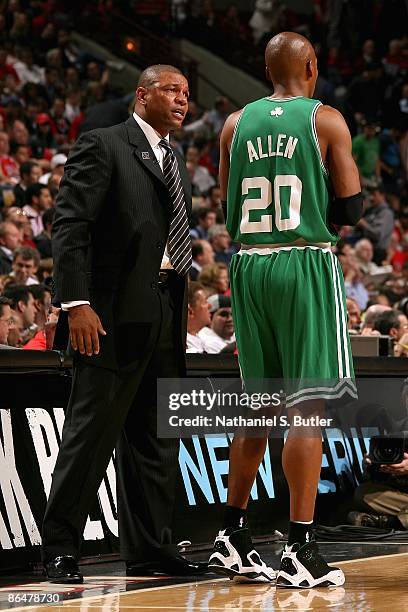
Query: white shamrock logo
(277, 111)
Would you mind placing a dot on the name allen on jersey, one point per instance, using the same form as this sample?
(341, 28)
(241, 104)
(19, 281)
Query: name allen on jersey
(265, 146)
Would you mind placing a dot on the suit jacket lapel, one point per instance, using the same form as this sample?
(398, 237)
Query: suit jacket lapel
(142, 150)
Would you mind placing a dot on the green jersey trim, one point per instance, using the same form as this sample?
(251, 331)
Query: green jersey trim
(282, 99)
(235, 130)
(315, 138)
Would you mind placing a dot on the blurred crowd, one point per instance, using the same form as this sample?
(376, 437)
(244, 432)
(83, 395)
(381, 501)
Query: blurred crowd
(49, 86)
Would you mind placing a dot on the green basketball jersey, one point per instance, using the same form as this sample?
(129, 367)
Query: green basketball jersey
(278, 185)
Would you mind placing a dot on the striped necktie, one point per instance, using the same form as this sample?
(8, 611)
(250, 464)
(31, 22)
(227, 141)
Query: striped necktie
(179, 241)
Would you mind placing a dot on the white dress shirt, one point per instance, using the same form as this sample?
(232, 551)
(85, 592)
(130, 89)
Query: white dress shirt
(153, 139)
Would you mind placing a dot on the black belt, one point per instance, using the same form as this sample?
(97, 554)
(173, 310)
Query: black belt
(166, 276)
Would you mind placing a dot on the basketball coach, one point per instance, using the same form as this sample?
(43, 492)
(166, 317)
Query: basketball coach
(121, 251)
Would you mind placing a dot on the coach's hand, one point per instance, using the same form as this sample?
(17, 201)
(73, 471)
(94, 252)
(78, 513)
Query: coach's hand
(84, 329)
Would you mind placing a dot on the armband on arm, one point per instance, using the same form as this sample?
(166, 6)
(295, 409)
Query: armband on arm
(346, 211)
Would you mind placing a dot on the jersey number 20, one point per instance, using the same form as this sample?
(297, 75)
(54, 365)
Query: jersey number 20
(265, 199)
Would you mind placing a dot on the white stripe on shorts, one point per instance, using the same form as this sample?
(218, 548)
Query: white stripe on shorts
(338, 331)
(344, 319)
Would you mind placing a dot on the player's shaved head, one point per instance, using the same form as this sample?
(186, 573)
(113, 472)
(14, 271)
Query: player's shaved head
(290, 57)
(152, 74)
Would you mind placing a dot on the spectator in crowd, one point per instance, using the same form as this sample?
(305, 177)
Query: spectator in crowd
(218, 115)
(377, 223)
(9, 172)
(27, 71)
(390, 159)
(214, 278)
(57, 168)
(30, 174)
(24, 310)
(5, 320)
(20, 219)
(38, 200)
(203, 255)
(5, 67)
(21, 155)
(382, 499)
(10, 240)
(221, 243)
(43, 240)
(44, 141)
(19, 133)
(211, 121)
(60, 123)
(206, 219)
(401, 347)
(15, 335)
(265, 18)
(364, 254)
(198, 317)
(366, 152)
(353, 280)
(25, 265)
(73, 104)
(370, 316)
(42, 303)
(219, 336)
(353, 316)
(201, 179)
(391, 323)
(213, 202)
(397, 253)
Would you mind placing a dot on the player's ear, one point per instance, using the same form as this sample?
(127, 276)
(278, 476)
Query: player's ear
(309, 69)
(268, 76)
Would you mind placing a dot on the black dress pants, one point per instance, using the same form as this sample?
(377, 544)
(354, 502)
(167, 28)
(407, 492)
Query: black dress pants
(118, 407)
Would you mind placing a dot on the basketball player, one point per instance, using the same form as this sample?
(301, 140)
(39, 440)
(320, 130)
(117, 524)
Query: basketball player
(281, 156)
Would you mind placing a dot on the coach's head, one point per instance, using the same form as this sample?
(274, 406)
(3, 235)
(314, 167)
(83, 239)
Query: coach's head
(162, 98)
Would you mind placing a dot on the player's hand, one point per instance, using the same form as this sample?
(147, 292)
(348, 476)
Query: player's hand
(84, 329)
(398, 469)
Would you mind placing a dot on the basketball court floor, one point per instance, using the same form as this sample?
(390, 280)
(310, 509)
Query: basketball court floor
(376, 580)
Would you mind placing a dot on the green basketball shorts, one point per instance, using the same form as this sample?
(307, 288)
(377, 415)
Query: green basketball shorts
(290, 321)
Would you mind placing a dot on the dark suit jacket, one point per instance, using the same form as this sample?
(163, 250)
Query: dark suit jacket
(110, 229)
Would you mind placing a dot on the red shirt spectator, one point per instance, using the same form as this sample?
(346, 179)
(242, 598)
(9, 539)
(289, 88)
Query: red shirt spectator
(38, 343)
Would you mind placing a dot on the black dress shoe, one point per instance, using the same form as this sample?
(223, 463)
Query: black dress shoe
(63, 570)
(174, 565)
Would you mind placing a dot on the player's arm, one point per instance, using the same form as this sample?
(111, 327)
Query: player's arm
(334, 135)
(225, 146)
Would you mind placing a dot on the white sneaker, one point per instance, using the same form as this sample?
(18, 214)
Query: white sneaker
(234, 556)
(303, 567)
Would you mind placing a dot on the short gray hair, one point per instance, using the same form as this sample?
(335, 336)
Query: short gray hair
(152, 74)
(216, 230)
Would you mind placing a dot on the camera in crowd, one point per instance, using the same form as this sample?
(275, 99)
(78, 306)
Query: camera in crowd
(388, 449)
